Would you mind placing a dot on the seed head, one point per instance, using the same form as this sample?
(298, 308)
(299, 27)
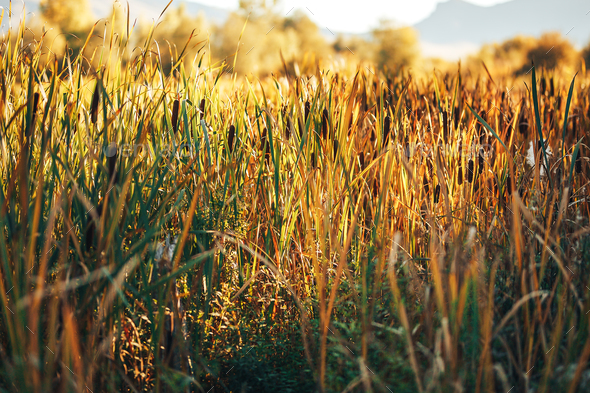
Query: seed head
(386, 129)
(94, 104)
(230, 138)
(175, 109)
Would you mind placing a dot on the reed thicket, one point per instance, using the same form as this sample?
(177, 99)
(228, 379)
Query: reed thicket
(193, 230)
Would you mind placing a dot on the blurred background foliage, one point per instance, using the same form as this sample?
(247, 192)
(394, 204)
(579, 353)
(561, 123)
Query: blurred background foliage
(254, 37)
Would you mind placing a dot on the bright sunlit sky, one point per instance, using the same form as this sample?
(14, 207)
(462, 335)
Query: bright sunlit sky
(356, 16)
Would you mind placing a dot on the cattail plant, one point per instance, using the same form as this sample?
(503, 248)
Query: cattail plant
(457, 117)
(446, 134)
(481, 131)
(202, 109)
(436, 193)
(386, 129)
(175, 110)
(35, 106)
(112, 153)
(94, 104)
(325, 124)
(230, 138)
(265, 146)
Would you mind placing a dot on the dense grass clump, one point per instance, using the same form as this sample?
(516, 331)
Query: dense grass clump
(339, 231)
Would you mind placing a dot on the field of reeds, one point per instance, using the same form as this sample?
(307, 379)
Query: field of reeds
(330, 229)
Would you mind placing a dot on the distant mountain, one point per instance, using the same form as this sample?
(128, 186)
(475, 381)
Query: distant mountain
(146, 9)
(457, 21)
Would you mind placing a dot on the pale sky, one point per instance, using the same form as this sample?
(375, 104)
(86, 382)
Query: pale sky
(354, 16)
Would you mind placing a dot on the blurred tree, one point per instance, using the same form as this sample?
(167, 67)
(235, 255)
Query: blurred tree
(306, 36)
(505, 57)
(355, 46)
(258, 8)
(586, 55)
(551, 50)
(71, 16)
(394, 46)
(172, 34)
(259, 44)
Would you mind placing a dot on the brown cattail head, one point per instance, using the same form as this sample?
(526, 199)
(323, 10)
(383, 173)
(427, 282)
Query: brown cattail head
(551, 87)
(362, 160)
(425, 184)
(76, 124)
(543, 87)
(112, 153)
(175, 109)
(202, 109)
(470, 171)
(386, 129)
(265, 146)
(457, 114)
(436, 193)
(445, 125)
(307, 110)
(481, 130)
(230, 138)
(94, 104)
(287, 122)
(460, 175)
(30, 128)
(376, 187)
(35, 105)
(325, 123)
